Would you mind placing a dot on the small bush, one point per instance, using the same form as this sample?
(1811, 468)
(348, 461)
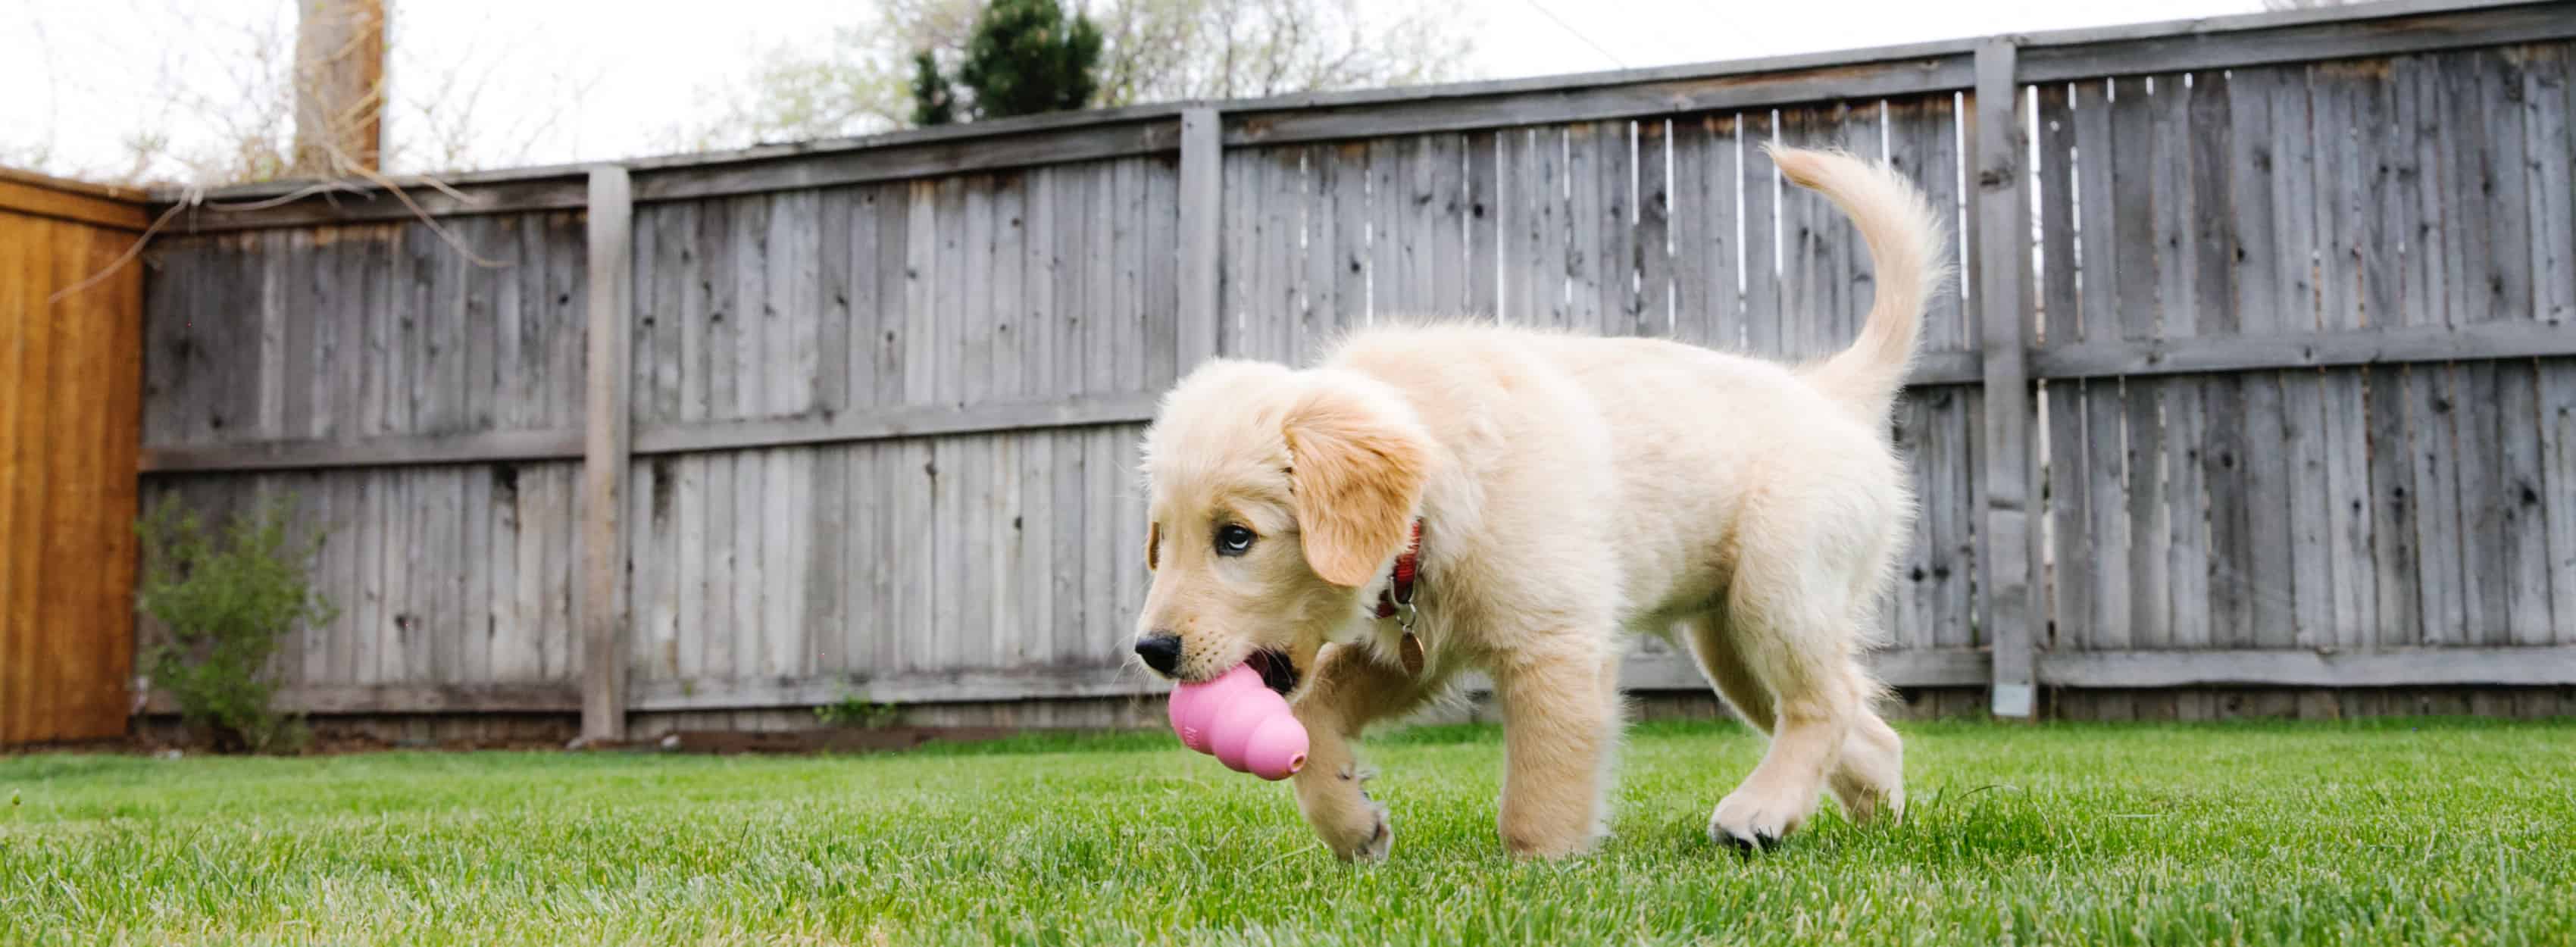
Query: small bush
(853, 712)
(227, 596)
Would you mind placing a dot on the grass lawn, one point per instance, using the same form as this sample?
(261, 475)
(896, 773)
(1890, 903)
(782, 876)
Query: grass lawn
(2407, 832)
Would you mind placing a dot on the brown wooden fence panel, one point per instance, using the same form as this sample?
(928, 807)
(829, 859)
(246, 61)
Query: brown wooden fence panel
(69, 383)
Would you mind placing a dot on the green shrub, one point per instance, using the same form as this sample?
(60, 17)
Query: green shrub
(853, 712)
(227, 596)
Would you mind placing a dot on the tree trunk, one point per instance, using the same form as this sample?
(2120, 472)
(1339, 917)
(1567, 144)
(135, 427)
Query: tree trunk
(339, 86)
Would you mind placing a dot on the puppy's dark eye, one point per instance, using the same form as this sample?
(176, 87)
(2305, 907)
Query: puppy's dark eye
(1233, 540)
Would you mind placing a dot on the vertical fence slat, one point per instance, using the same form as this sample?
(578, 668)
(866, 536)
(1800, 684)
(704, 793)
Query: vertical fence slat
(2343, 256)
(2549, 103)
(1654, 316)
(21, 240)
(1483, 225)
(1100, 374)
(1201, 237)
(2061, 399)
(1320, 297)
(1037, 471)
(1072, 454)
(1517, 226)
(1288, 196)
(1951, 416)
(1760, 310)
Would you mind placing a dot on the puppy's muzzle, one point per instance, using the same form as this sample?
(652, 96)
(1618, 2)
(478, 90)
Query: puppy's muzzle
(1161, 651)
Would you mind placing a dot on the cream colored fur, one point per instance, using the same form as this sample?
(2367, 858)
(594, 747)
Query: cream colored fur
(1571, 489)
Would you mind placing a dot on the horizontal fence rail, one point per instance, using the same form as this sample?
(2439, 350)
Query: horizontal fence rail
(2259, 370)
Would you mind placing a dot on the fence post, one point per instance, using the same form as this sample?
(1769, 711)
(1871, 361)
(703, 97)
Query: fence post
(2001, 266)
(599, 601)
(1202, 218)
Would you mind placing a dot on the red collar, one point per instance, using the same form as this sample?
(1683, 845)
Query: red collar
(1408, 567)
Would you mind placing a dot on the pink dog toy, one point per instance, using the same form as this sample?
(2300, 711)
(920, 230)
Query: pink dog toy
(1245, 723)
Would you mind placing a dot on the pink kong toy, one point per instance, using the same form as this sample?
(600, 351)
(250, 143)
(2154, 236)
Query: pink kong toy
(1245, 723)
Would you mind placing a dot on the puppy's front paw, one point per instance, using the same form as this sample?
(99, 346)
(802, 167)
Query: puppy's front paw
(1354, 826)
(1753, 820)
(1374, 844)
(1358, 829)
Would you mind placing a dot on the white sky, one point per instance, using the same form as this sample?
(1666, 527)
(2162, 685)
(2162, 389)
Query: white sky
(573, 80)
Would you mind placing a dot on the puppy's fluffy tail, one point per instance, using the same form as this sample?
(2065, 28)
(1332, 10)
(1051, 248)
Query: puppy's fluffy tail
(1904, 238)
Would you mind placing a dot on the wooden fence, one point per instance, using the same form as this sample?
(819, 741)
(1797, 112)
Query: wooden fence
(2260, 372)
(69, 380)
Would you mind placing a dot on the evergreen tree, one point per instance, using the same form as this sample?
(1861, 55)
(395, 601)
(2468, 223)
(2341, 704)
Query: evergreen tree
(1026, 57)
(934, 101)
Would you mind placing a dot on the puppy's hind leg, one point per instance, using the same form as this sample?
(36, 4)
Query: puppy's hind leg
(1795, 638)
(1869, 777)
(1719, 660)
(1868, 774)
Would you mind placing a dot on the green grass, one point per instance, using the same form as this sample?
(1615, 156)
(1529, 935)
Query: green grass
(2415, 832)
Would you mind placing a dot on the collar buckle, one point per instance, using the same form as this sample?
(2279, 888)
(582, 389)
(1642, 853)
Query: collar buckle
(1396, 601)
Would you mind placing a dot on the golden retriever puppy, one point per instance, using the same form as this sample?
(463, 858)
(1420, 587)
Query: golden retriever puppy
(1443, 497)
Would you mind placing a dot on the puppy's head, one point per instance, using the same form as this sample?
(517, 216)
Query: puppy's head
(1276, 497)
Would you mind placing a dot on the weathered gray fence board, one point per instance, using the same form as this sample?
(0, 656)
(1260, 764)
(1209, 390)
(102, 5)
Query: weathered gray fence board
(2473, 180)
(2110, 136)
(1758, 183)
(2343, 498)
(2155, 305)
(1926, 132)
(1390, 287)
(2142, 120)
(2549, 145)
(1701, 229)
(1552, 260)
(2260, 565)
(1798, 216)
(1515, 163)
(1330, 287)
(1444, 179)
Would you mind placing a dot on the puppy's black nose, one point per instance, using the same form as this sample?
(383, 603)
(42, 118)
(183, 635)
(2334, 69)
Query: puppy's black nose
(1161, 651)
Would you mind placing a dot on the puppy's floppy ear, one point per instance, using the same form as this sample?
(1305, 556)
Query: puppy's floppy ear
(1357, 475)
